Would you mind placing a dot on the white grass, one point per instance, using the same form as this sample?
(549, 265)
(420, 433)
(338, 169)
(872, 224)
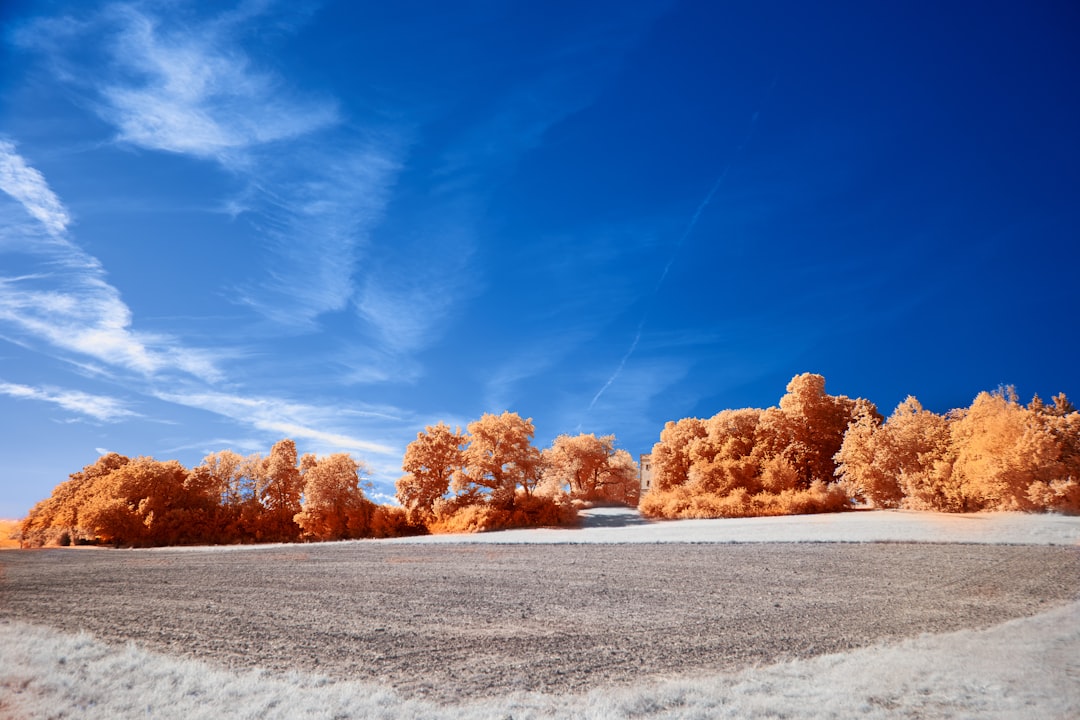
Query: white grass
(1027, 668)
(622, 525)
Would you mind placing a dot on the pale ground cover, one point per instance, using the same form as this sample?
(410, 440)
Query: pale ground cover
(1027, 668)
(1024, 667)
(619, 525)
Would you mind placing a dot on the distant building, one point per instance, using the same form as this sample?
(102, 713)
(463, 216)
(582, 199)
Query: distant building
(644, 473)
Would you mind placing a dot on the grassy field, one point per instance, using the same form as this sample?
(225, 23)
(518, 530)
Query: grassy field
(1022, 669)
(929, 619)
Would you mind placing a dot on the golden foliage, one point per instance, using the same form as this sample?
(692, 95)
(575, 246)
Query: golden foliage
(491, 477)
(334, 506)
(430, 463)
(226, 499)
(55, 520)
(684, 502)
(10, 532)
(907, 460)
(527, 511)
(590, 469)
(738, 463)
(279, 486)
(391, 521)
(144, 502)
(815, 426)
(671, 458)
(815, 452)
(499, 459)
(494, 471)
(1003, 449)
(993, 455)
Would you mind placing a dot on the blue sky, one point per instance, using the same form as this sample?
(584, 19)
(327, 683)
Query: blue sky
(224, 224)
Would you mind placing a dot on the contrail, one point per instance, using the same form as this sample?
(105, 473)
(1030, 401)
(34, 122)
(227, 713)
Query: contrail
(622, 364)
(659, 283)
(693, 222)
(678, 246)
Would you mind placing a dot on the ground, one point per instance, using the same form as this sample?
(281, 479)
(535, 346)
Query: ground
(452, 623)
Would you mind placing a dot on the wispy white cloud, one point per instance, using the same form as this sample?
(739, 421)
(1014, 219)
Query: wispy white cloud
(66, 302)
(408, 307)
(364, 364)
(27, 185)
(313, 194)
(315, 212)
(192, 89)
(404, 318)
(99, 407)
(541, 355)
(627, 406)
(411, 291)
(675, 252)
(176, 81)
(187, 89)
(79, 312)
(283, 418)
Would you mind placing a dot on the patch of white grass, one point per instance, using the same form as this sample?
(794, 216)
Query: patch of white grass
(615, 525)
(1026, 668)
(623, 525)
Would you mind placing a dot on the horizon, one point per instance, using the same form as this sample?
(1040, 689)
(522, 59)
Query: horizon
(342, 222)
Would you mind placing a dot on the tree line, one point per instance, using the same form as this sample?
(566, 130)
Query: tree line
(228, 498)
(489, 477)
(492, 477)
(818, 452)
(814, 452)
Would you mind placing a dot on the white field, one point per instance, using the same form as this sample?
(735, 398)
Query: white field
(620, 525)
(1024, 668)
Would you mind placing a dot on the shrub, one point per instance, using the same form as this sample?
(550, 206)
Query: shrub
(527, 511)
(1060, 495)
(683, 502)
(392, 521)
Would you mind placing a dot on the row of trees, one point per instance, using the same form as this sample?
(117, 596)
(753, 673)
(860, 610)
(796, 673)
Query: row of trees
(755, 462)
(229, 498)
(486, 478)
(491, 476)
(817, 452)
(994, 455)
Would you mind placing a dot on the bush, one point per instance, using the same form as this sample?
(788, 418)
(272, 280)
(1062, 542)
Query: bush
(1060, 495)
(683, 502)
(527, 511)
(392, 521)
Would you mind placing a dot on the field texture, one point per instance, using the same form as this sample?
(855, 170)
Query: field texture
(453, 623)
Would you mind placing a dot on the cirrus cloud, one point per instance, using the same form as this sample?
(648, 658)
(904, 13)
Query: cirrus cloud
(67, 302)
(28, 186)
(98, 407)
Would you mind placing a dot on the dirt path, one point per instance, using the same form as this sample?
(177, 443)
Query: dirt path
(450, 622)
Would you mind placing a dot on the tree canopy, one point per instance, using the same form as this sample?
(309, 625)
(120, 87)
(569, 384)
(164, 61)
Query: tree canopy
(226, 499)
(492, 476)
(812, 452)
(817, 452)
